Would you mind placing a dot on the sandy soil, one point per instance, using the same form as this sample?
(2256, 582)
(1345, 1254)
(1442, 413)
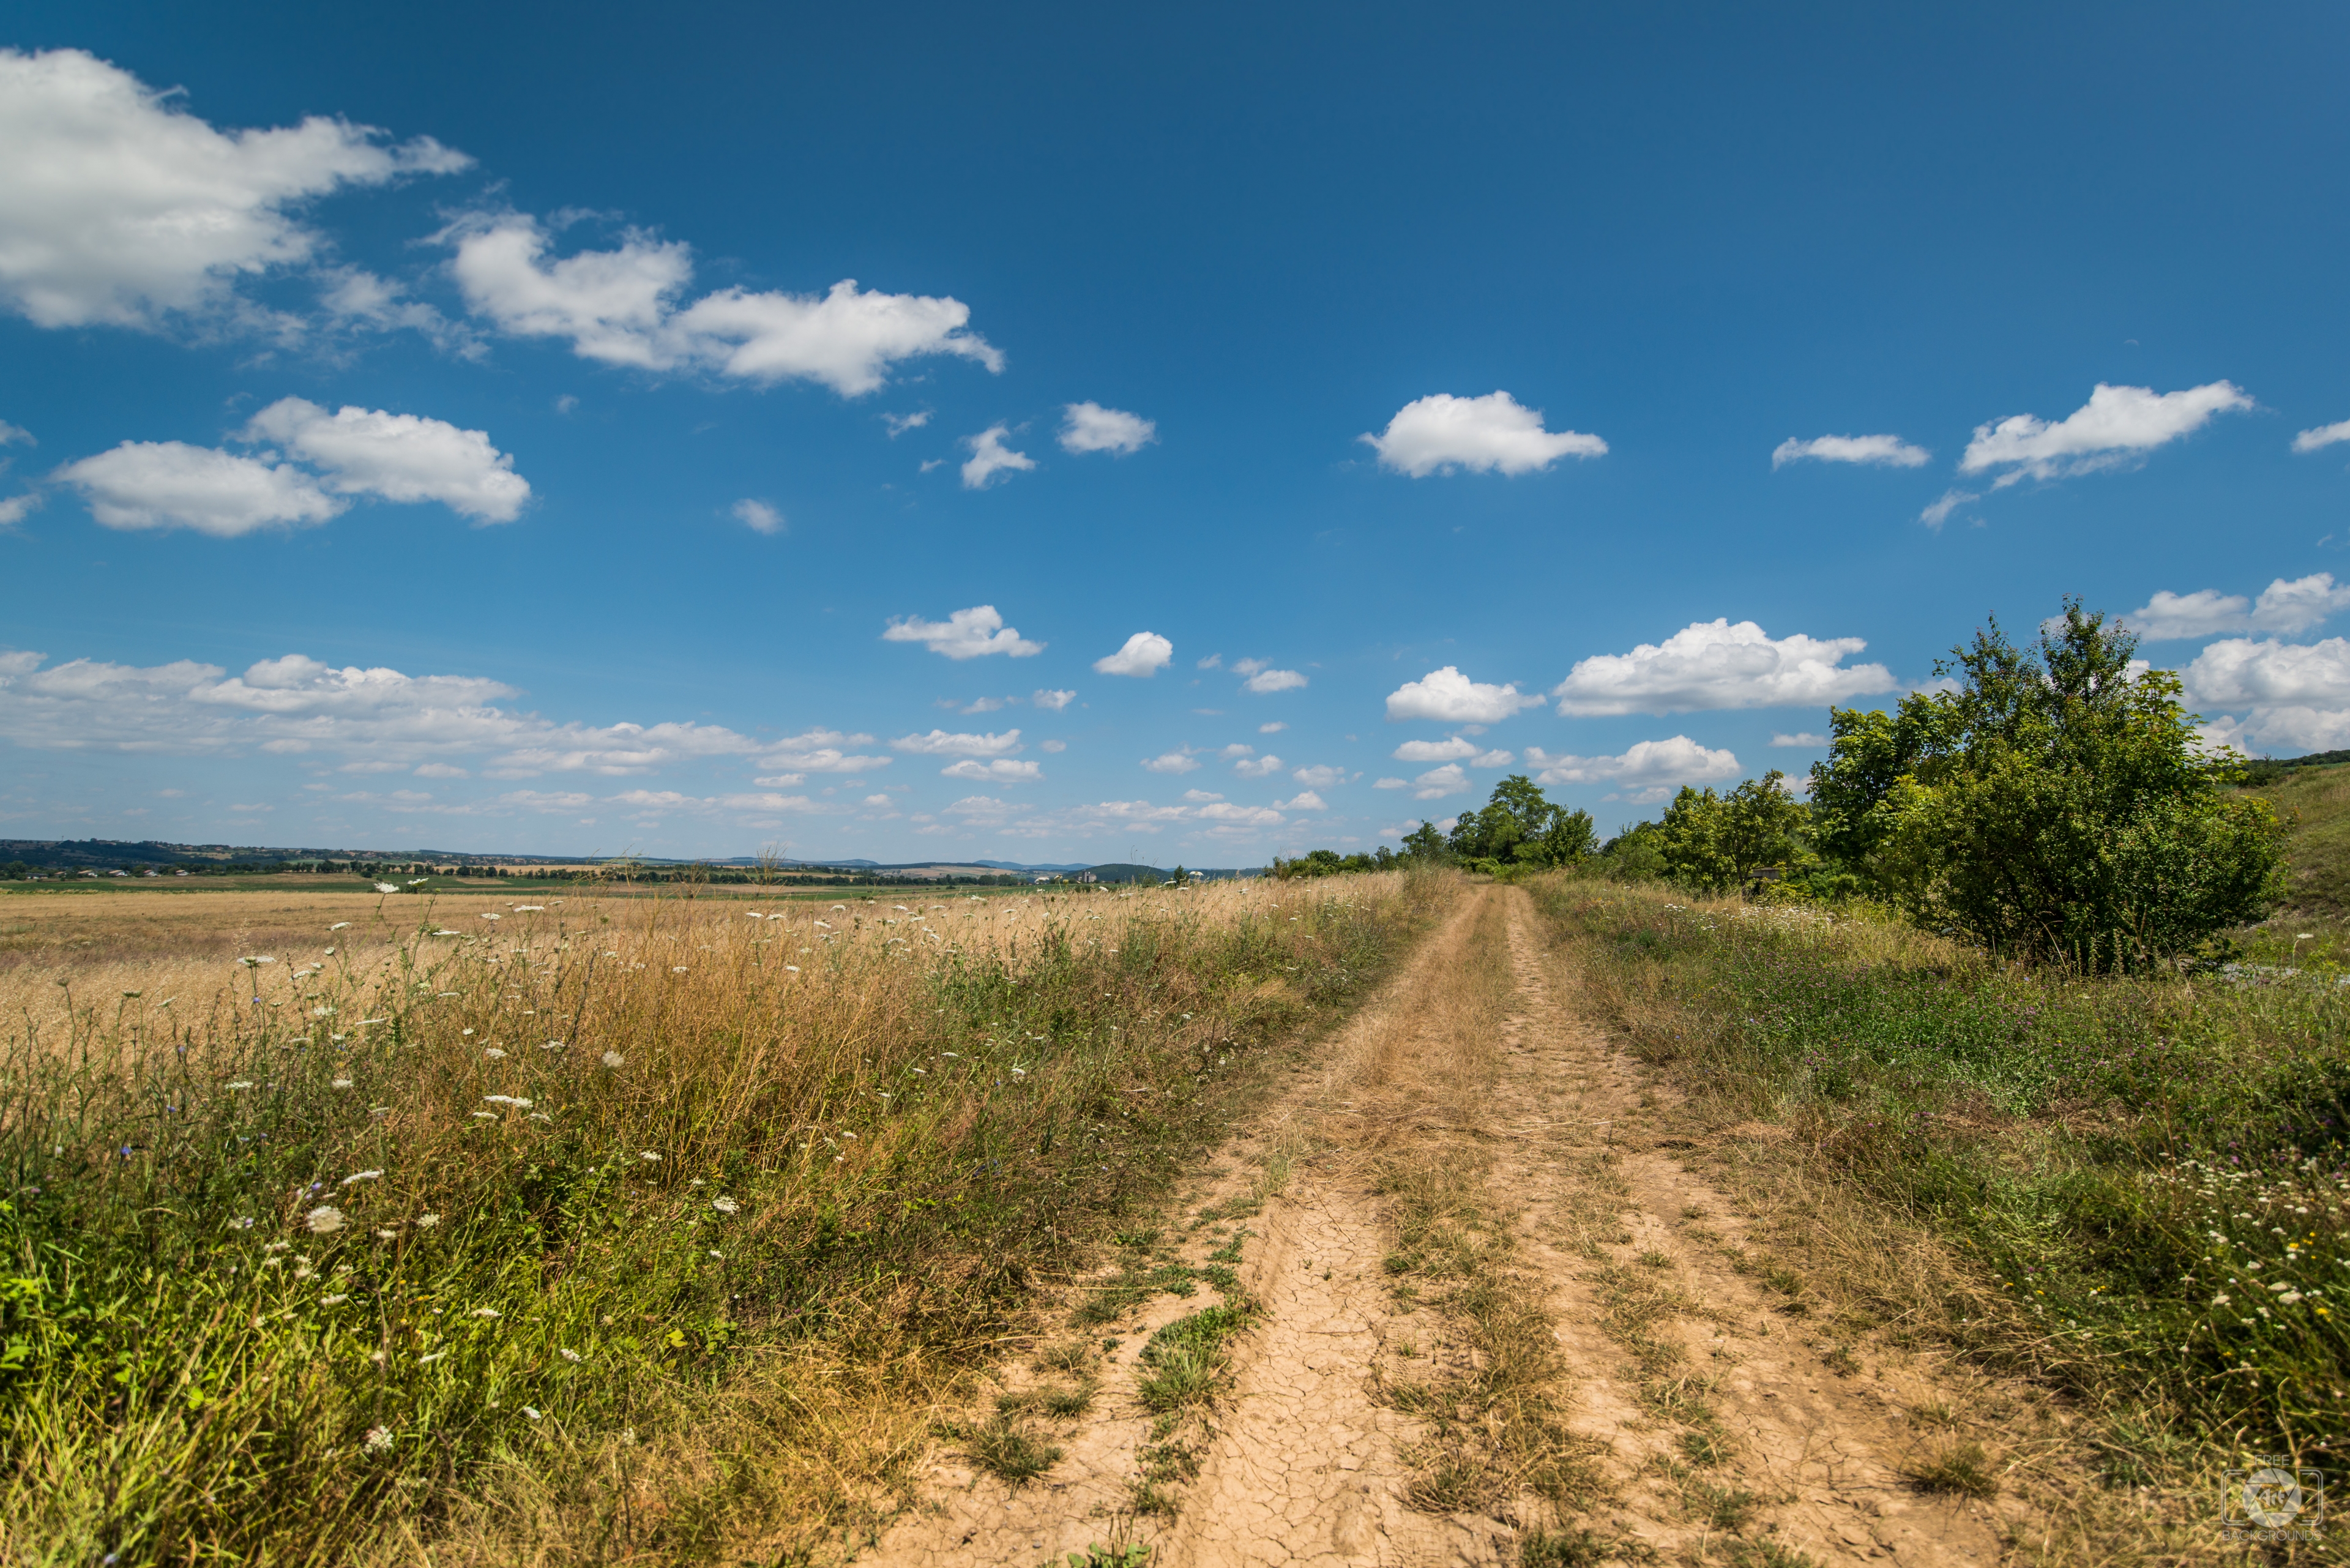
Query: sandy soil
(1301, 1462)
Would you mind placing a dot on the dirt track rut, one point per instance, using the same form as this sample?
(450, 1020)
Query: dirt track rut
(1719, 1429)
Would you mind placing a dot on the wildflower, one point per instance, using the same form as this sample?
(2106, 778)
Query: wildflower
(717, 1254)
(542, 1117)
(677, 969)
(531, 1413)
(386, 888)
(793, 968)
(324, 1010)
(252, 962)
(485, 1311)
(530, 909)
(724, 1205)
(494, 1053)
(241, 1222)
(429, 1360)
(649, 1158)
(552, 1045)
(613, 1058)
(464, 1032)
(485, 1116)
(493, 917)
(332, 1301)
(824, 925)
(2221, 1300)
(337, 926)
(387, 1235)
(241, 1083)
(379, 1438)
(426, 1221)
(507, 1100)
(357, 1177)
(571, 1355)
(2289, 1297)
(277, 1246)
(324, 1220)
(445, 932)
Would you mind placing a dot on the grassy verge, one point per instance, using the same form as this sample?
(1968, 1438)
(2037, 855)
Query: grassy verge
(2132, 1188)
(582, 1234)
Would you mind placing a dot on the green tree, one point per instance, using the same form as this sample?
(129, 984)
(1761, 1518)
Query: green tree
(1425, 843)
(2050, 803)
(1712, 842)
(1520, 825)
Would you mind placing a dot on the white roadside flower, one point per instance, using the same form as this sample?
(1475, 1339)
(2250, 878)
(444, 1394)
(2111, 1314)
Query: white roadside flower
(324, 1220)
(485, 1311)
(386, 888)
(379, 1438)
(357, 1177)
(613, 1058)
(724, 1205)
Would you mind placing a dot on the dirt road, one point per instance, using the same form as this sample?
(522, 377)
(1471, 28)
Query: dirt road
(1491, 1317)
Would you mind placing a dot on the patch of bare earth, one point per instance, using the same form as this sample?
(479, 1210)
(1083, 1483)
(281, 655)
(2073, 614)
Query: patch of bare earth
(1491, 1320)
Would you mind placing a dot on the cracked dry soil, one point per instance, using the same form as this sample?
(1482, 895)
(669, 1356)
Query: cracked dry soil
(1712, 1427)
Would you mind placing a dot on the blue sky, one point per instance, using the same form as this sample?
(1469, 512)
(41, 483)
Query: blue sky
(459, 429)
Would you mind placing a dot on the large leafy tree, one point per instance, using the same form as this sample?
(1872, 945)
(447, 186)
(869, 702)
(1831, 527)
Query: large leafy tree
(1520, 825)
(1718, 842)
(2049, 801)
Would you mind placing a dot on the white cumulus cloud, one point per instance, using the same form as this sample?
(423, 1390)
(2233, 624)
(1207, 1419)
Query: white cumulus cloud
(620, 306)
(1321, 777)
(1438, 782)
(1494, 433)
(990, 457)
(965, 634)
(399, 457)
(119, 207)
(2298, 694)
(2117, 425)
(1002, 770)
(1451, 698)
(1304, 800)
(1145, 653)
(1648, 770)
(1263, 767)
(1716, 664)
(1800, 737)
(2322, 436)
(1050, 701)
(1089, 427)
(1171, 762)
(1887, 451)
(2285, 605)
(1264, 681)
(943, 743)
(171, 484)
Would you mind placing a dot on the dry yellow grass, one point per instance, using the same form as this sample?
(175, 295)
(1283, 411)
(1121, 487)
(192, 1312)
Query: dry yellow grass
(532, 1332)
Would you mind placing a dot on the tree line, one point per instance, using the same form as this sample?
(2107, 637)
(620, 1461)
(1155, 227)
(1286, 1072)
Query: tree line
(2045, 801)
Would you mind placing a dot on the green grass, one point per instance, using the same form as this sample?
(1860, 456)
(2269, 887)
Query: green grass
(277, 1286)
(2145, 1180)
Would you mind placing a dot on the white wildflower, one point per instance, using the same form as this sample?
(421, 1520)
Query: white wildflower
(429, 1360)
(357, 1177)
(613, 1058)
(724, 1205)
(386, 888)
(571, 1355)
(387, 1235)
(426, 1221)
(677, 969)
(542, 1117)
(494, 1055)
(324, 1010)
(332, 1301)
(379, 1438)
(531, 1413)
(552, 1045)
(507, 1100)
(650, 1156)
(485, 1116)
(485, 1311)
(339, 925)
(241, 1083)
(324, 1220)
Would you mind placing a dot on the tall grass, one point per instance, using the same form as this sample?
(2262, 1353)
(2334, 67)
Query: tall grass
(2144, 1180)
(592, 1233)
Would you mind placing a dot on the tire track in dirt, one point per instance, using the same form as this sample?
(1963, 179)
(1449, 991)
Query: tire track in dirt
(1721, 1435)
(1298, 1464)
(1681, 1357)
